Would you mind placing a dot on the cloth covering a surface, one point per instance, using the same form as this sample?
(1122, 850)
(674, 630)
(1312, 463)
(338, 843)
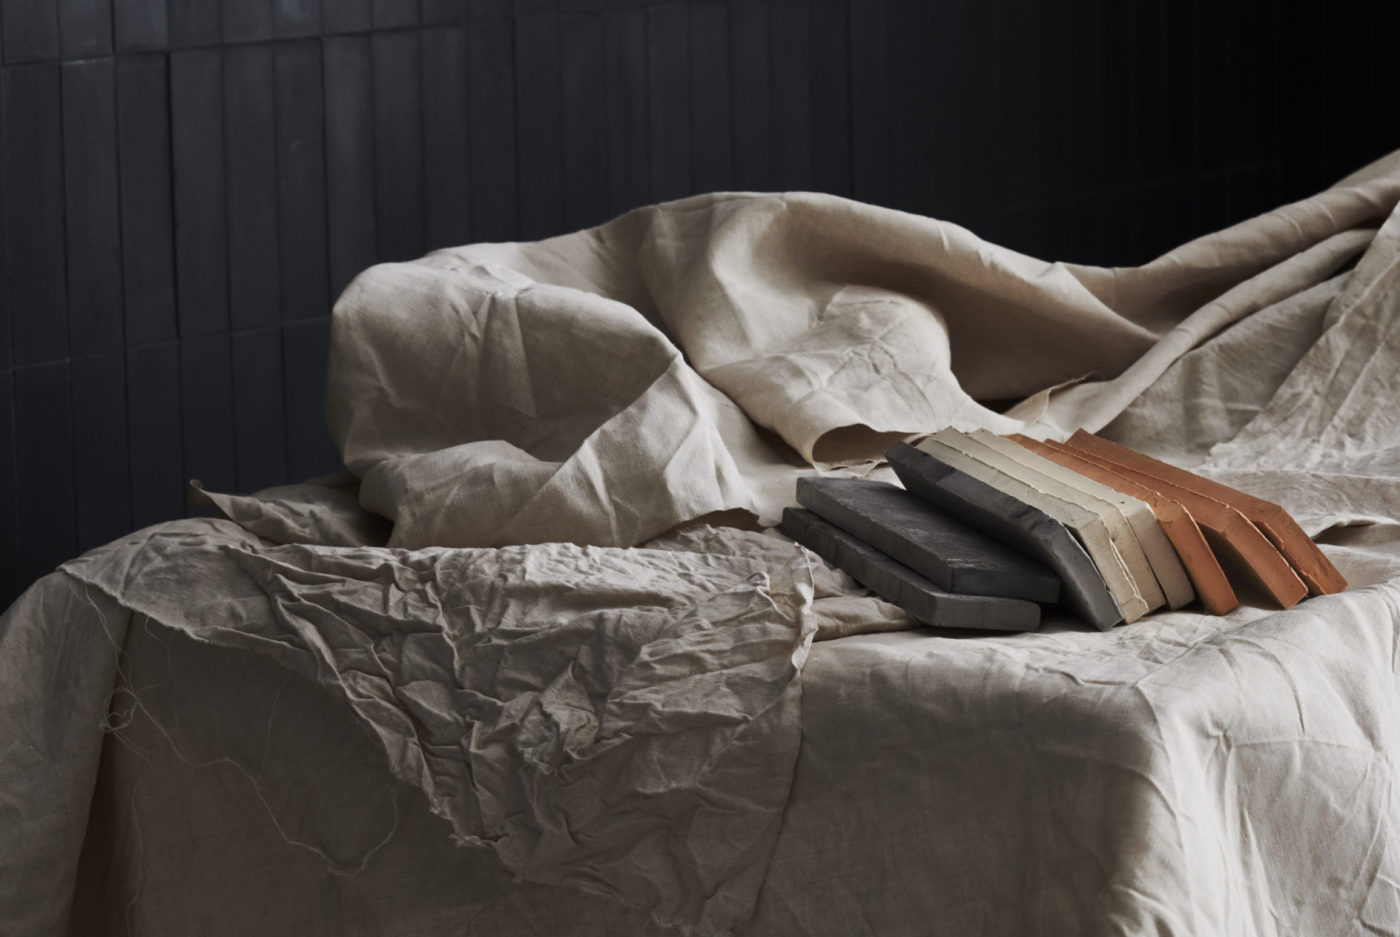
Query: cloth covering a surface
(508, 719)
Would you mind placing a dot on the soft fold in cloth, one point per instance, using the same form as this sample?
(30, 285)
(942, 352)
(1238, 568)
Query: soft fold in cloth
(521, 722)
(680, 360)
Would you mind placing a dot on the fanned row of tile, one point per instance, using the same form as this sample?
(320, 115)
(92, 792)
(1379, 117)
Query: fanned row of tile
(988, 529)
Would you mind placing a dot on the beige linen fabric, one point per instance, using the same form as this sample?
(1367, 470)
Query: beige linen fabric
(312, 729)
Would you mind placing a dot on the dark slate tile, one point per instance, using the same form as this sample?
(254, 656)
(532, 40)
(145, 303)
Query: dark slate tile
(310, 451)
(197, 22)
(491, 103)
(92, 206)
(447, 179)
(489, 9)
(31, 150)
(398, 146)
(346, 16)
(625, 60)
(586, 129)
(44, 468)
(293, 18)
(101, 471)
(349, 105)
(751, 89)
(901, 585)
(1014, 523)
(247, 20)
(30, 30)
(301, 181)
(197, 146)
(668, 101)
(443, 12)
(538, 114)
(391, 13)
(953, 555)
(206, 411)
(140, 25)
(259, 410)
(147, 210)
(250, 161)
(710, 124)
(85, 27)
(153, 433)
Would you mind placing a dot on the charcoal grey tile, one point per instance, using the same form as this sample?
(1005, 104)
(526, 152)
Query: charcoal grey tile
(955, 556)
(899, 584)
(1012, 522)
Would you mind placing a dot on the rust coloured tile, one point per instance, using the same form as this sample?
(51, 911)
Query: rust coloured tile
(1237, 543)
(1321, 577)
(1212, 587)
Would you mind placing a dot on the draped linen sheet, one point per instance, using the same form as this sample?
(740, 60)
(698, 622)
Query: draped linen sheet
(565, 693)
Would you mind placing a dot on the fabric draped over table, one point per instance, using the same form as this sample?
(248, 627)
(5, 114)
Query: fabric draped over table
(617, 740)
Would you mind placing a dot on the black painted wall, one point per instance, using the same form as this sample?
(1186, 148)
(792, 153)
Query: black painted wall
(185, 185)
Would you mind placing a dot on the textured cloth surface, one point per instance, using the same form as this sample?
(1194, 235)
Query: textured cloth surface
(479, 729)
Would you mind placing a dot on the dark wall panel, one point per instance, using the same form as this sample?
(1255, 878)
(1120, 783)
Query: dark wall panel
(303, 259)
(752, 95)
(140, 25)
(349, 157)
(446, 132)
(538, 114)
(44, 468)
(31, 151)
(153, 434)
(292, 18)
(711, 141)
(491, 146)
(147, 210)
(250, 161)
(398, 145)
(12, 580)
(101, 469)
(668, 89)
(92, 207)
(309, 447)
(585, 109)
(30, 30)
(196, 22)
(206, 411)
(197, 149)
(625, 44)
(85, 27)
(793, 130)
(259, 415)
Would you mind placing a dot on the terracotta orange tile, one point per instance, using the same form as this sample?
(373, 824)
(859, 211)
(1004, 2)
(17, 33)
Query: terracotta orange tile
(1209, 580)
(1236, 542)
(1316, 570)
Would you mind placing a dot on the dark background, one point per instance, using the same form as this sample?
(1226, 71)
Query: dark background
(185, 185)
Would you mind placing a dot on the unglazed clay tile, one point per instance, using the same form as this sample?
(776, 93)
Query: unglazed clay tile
(1237, 543)
(1321, 577)
(1212, 587)
(1161, 557)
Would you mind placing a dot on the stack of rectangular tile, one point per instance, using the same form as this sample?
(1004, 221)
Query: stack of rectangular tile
(986, 529)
